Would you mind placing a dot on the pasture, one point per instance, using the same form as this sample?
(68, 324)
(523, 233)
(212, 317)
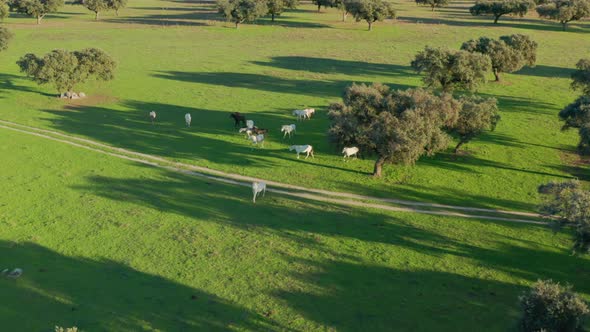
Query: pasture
(113, 245)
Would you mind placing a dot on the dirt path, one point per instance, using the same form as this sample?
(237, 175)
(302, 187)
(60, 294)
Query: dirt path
(340, 198)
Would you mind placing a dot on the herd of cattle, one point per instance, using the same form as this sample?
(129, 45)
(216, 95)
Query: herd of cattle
(257, 136)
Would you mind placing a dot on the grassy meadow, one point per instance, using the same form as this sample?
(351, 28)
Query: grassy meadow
(108, 245)
(111, 245)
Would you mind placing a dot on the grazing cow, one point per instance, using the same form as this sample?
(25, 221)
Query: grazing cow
(12, 274)
(188, 119)
(259, 131)
(288, 130)
(153, 116)
(249, 124)
(257, 139)
(300, 114)
(309, 112)
(238, 118)
(349, 152)
(308, 149)
(257, 188)
(246, 130)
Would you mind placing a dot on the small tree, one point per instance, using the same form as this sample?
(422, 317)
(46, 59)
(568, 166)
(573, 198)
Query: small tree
(396, 126)
(572, 205)
(565, 11)
(498, 8)
(451, 69)
(35, 8)
(577, 115)
(476, 114)
(240, 11)
(433, 3)
(95, 6)
(325, 3)
(550, 307)
(66, 69)
(116, 5)
(508, 54)
(5, 37)
(276, 7)
(581, 77)
(371, 10)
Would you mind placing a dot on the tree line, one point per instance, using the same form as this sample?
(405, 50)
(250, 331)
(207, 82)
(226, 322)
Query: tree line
(40, 8)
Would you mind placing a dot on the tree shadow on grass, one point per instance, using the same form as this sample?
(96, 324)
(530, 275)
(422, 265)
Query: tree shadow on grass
(348, 293)
(322, 88)
(8, 82)
(334, 66)
(546, 71)
(105, 295)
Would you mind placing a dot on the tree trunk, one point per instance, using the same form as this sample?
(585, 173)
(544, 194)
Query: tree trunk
(458, 146)
(496, 74)
(432, 8)
(116, 12)
(377, 170)
(319, 6)
(237, 25)
(496, 18)
(564, 24)
(273, 17)
(96, 16)
(370, 26)
(343, 16)
(39, 18)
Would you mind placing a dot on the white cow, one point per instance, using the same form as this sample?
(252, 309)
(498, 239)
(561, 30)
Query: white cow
(309, 112)
(300, 114)
(257, 188)
(153, 116)
(307, 149)
(249, 124)
(187, 119)
(12, 274)
(257, 139)
(349, 152)
(246, 130)
(288, 130)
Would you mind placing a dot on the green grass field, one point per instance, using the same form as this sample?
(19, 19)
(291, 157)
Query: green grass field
(111, 245)
(108, 245)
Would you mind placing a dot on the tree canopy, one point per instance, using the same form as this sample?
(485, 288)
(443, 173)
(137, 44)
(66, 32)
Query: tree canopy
(451, 69)
(65, 69)
(548, 306)
(577, 115)
(3, 10)
(35, 8)
(95, 6)
(433, 3)
(565, 11)
(498, 8)
(276, 7)
(240, 11)
(5, 37)
(571, 204)
(325, 3)
(116, 5)
(476, 114)
(396, 126)
(508, 54)
(581, 77)
(370, 10)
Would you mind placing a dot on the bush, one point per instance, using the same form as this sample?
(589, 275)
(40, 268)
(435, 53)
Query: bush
(550, 307)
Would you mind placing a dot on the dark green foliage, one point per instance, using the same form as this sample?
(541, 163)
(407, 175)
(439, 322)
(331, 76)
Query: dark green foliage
(581, 77)
(571, 205)
(500, 8)
(5, 37)
(95, 6)
(66, 69)
(396, 126)
(116, 5)
(451, 69)
(276, 7)
(550, 307)
(325, 3)
(565, 11)
(576, 114)
(370, 10)
(433, 3)
(508, 54)
(476, 114)
(240, 11)
(35, 8)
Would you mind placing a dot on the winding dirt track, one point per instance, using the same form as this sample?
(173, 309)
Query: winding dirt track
(334, 197)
